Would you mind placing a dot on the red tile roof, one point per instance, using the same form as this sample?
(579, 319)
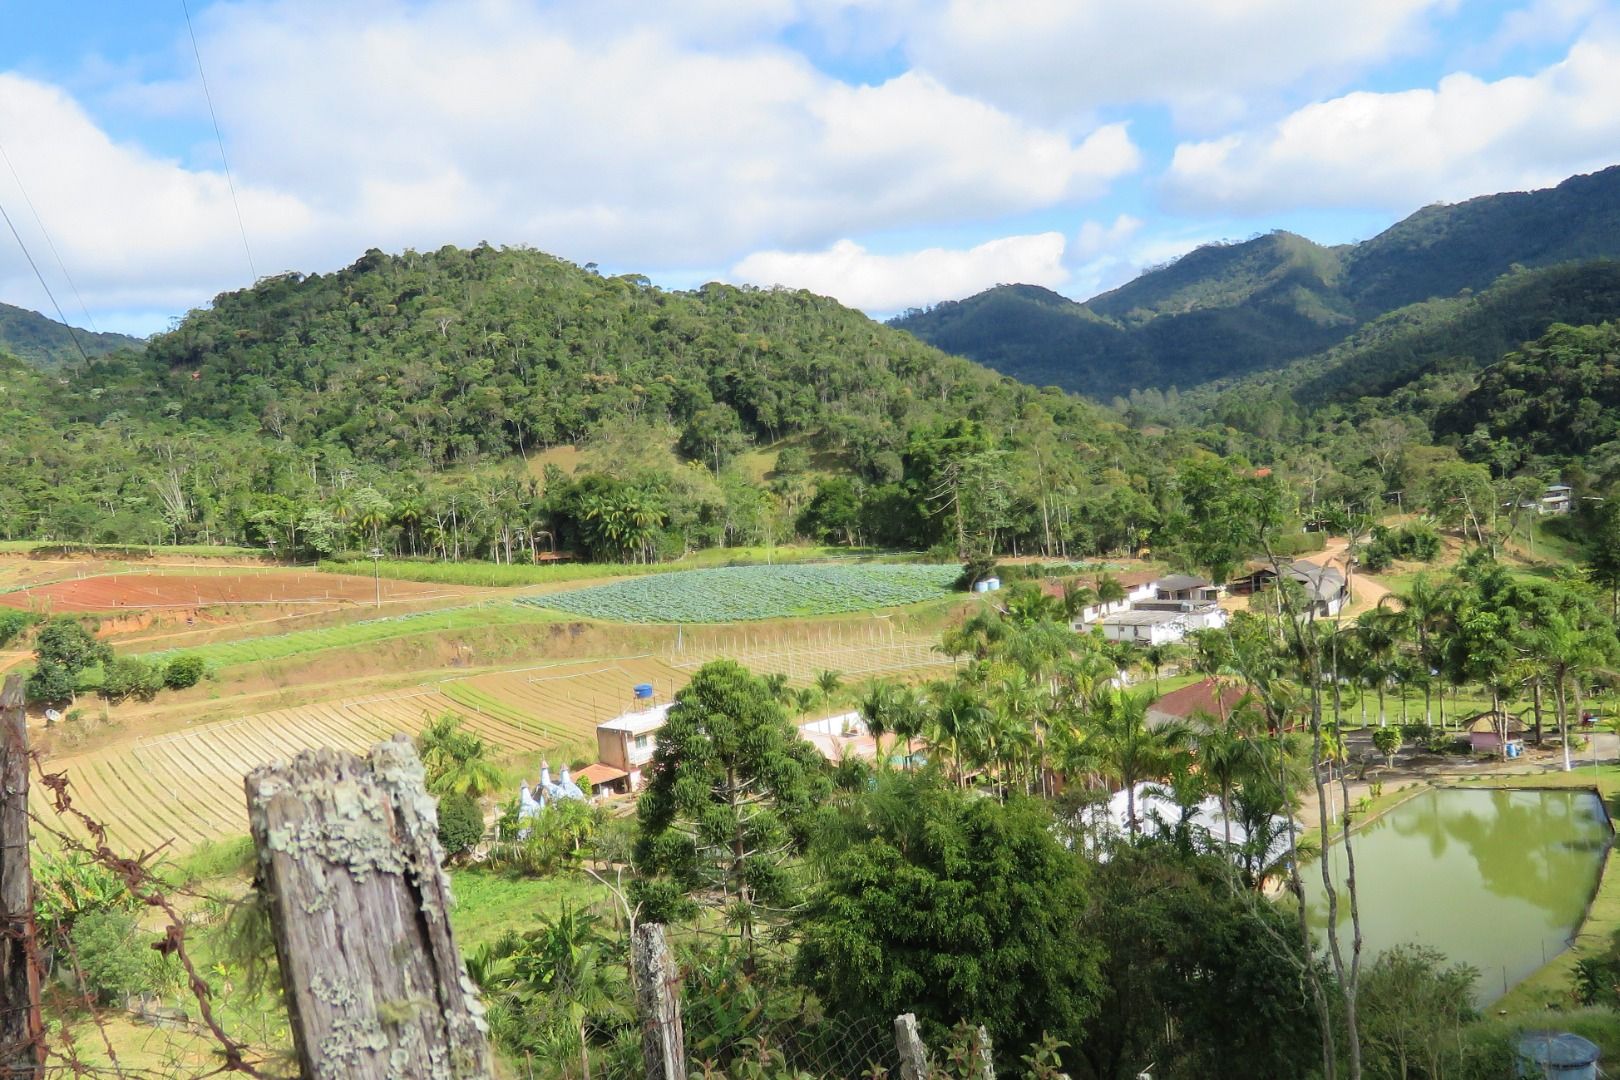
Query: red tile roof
(1200, 697)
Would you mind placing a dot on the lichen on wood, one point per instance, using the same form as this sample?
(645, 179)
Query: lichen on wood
(350, 863)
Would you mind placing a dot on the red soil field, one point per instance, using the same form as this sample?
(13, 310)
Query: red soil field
(125, 592)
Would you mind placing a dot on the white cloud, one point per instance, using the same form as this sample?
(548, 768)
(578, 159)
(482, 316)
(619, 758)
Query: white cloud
(1097, 239)
(877, 283)
(1061, 59)
(1465, 137)
(134, 229)
(653, 139)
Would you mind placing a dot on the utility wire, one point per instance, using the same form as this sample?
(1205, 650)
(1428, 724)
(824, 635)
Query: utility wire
(43, 231)
(219, 138)
(44, 285)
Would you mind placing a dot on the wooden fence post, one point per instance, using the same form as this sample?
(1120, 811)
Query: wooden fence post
(350, 863)
(913, 1051)
(22, 1031)
(984, 1059)
(658, 1004)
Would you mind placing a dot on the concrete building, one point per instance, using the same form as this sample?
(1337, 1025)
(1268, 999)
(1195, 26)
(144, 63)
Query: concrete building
(1187, 587)
(1145, 627)
(626, 742)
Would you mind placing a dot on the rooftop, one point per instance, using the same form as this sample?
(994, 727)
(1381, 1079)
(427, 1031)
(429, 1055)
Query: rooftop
(638, 722)
(1177, 582)
(1205, 696)
(1143, 618)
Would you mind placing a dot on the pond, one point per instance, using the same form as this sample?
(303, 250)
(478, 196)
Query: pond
(1497, 879)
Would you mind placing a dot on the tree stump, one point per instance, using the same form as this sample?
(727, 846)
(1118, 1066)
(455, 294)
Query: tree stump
(350, 863)
(22, 1032)
(913, 1051)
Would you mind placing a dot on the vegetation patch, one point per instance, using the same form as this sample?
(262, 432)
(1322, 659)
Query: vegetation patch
(730, 594)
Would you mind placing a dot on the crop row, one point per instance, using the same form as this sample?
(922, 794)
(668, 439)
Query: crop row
(736, 593)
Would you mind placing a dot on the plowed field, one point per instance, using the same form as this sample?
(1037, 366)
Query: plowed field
(140, 591)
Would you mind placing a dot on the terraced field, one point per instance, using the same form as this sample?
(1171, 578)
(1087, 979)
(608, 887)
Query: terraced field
(186, 788)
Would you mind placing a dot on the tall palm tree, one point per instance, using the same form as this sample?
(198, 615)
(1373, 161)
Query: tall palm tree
(960, 725)
(829, 682)
(1117, 743)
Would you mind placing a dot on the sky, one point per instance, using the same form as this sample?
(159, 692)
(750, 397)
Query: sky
(889, 154)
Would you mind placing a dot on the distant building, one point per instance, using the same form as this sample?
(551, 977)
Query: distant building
(1187, 587)
(1325, 587)
(1145, 627)
(1138, 587)
(1207, 697)
(1557, 499)
(839, 737)
(1200, 616)
(627, 742)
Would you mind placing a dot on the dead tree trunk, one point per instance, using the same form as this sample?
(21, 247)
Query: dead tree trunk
(22, 1034)
(658, 1004)
(349, 861)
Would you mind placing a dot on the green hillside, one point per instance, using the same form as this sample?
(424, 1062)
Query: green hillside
(399, 401)
(1227, 310)
(47, 343)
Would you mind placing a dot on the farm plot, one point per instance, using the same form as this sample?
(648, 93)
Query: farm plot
(563, 703)
(738, 593)
(186, 788)
(137, 591)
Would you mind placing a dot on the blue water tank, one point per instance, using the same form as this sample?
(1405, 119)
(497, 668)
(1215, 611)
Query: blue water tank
(644, 691)
(1557, 1055)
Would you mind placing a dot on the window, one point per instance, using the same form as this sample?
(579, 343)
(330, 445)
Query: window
(641, 742)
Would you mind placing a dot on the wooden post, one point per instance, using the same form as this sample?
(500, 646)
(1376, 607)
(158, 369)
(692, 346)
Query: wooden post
(22, 1032)
(913, 1052)
(349, 859)
(658, 1004)
(984, 1061)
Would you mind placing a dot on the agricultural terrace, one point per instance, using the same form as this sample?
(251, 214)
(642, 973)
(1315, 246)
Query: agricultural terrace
(185, 788)
(746, 593)
(147, 590)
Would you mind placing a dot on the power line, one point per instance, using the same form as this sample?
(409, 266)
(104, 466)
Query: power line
(43, 231)
(72, 333)
(219, 138)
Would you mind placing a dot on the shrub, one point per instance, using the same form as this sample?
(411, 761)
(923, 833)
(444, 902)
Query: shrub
(461, 824)
(13, 623)
(1417, 542)
(130, 676)
(112, 954)
(50, 683)
(184, 671)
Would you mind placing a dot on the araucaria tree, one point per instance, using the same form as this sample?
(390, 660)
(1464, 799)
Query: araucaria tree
(726, 808)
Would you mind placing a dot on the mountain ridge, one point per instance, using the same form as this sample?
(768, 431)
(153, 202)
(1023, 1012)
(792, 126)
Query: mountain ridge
(1227, 310)
(46, 343)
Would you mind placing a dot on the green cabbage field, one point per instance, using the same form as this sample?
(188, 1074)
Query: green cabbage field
(735, 593)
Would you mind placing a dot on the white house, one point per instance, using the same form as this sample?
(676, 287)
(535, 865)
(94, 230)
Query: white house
(1145, 627)
(1138, 587)
(1187, 587)
(1557, 499)
(1200, 616)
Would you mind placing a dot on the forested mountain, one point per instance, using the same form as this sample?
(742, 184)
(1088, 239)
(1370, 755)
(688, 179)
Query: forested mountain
(48, 343)
(1226, 310)
(417, 384)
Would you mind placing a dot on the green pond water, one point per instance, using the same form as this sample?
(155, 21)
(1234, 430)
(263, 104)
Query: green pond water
(1496, 879)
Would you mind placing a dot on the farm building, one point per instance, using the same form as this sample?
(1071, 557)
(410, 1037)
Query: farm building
(1145, 627)
(626, 742)
(1138, 587)
(1325, 586)
(1200, 616)
(1485, 733)
(1187, 587)
(1207, 697)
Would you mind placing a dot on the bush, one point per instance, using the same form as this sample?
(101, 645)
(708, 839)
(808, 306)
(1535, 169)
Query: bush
(184, 671)
(112, 954)
(130, 676)
(975, 570)
(50, 683)
(13, 623)
(461, 824)
(1417, 542)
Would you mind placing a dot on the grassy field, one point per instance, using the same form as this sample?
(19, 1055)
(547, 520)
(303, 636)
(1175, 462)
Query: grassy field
(516, 575)
(299, 642)
(137, 551)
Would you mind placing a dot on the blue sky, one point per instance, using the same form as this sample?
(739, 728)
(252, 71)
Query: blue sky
(890, 154)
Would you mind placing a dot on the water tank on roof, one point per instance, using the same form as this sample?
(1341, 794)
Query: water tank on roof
(644, 691)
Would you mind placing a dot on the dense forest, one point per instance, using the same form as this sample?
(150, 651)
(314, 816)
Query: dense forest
(1230, 309)
(47, 343)
(398, 402)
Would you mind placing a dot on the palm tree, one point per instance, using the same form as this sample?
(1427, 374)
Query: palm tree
(1117, 743)
(1155, 657)
(960, 725)
(777, 683)
(456, 761)
(1077, 596)
(828, 682)
(1109, 590)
